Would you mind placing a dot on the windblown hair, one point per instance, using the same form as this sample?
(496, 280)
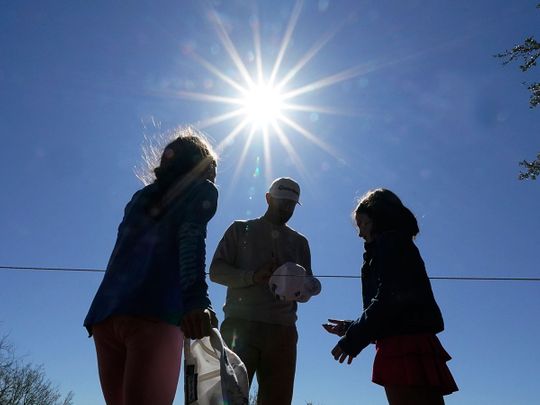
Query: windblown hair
(173, 155)
(387, 212)
(186, 157)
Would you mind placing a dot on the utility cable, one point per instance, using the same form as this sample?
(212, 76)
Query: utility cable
(454, 278)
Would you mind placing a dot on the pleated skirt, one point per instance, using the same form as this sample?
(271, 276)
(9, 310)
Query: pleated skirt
(413, 360)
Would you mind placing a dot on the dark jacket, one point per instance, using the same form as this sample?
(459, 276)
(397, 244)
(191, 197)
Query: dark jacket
(157, 267)
(396, 293)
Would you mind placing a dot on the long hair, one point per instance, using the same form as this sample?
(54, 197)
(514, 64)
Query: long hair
(173, 154)
(387, 212)
(186, 157)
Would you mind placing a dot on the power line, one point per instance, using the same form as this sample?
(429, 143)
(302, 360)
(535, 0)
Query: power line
(486, 278)
(456, 278)
(66, 269)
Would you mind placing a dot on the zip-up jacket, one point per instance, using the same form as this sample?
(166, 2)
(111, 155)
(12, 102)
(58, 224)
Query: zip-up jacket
(244, 248)
(396, 292)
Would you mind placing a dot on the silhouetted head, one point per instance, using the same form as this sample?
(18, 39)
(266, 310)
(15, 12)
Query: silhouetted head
(183, 153)
(282, 198)
(381, 210)
(186, 158)
(189, 154)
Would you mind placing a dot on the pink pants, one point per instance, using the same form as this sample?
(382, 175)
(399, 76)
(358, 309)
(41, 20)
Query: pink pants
(138, 360)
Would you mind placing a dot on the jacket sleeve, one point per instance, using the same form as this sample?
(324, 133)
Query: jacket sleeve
(305, 256)
(382, 307)
(312, 285)
(192, 247)
(223, 269)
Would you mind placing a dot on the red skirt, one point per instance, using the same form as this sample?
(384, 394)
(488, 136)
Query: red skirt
(418, 360)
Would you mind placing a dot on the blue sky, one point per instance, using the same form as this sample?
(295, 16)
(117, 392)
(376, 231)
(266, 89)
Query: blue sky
(429, 114)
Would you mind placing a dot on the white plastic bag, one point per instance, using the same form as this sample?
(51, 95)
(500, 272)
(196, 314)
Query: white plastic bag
(213, 373)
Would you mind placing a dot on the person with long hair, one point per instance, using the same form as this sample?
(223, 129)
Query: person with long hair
(154, 293)
(400, 313)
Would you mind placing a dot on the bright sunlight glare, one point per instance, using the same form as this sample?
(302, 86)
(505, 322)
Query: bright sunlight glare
(262, 105)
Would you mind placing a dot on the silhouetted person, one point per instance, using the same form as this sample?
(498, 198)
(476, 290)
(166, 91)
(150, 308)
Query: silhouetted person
(154, 291)
(400, 313)
(259, 327)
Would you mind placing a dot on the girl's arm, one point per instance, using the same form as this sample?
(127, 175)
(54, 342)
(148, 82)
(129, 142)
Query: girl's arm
(387, 262)
(192, 247)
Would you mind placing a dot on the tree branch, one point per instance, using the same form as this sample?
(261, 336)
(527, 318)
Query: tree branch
(532, 169)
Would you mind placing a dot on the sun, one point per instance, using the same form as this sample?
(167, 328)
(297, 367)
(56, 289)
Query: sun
(260, 103)
(263, 105)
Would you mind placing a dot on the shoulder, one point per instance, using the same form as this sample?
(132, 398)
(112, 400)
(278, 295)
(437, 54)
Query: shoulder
(242, 222)
(144, 193)
(246, 226)
(242, 225)
(141, 197)
(205, 189)
(393, 238)
(299, 236)
(396, 242)
(200, 202)
(203, 195)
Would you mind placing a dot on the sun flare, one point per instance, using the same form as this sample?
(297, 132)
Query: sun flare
(260, 105)
(263, 105)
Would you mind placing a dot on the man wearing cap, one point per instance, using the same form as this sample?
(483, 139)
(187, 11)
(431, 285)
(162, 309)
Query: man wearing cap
(259, 327)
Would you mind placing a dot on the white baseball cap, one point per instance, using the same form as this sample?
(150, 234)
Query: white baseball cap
(285, 188)
(290, 282)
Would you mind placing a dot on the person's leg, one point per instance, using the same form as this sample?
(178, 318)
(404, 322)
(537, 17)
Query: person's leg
(111, 358)
(278, 365)
(153, 359)
(242, 338)
(413, 395)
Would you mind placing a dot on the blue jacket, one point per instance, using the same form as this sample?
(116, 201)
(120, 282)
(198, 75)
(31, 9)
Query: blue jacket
(157, 267)
(396, 292)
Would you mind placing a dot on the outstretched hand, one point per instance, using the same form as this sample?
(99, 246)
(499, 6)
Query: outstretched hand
(340, 355)
(197, 324)
(337, 326)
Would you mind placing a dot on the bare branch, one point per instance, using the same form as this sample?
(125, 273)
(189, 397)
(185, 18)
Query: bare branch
(25, 384)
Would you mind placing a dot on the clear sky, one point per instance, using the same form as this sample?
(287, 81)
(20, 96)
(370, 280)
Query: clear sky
(414, 101)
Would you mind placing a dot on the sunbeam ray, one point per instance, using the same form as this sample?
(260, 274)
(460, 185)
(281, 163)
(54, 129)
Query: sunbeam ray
(268, 169)
(230, 48)
(211, 68)
(321, 109)
(286, 39)
(208, 97)
(229, 138)
(219, 118)
(243, 155)
(255, 27)
(309, 136)
(333, 79)
(295, 158)
(315, 49)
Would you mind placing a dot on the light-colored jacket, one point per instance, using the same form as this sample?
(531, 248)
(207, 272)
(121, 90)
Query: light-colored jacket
(245, 247)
